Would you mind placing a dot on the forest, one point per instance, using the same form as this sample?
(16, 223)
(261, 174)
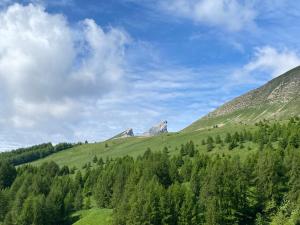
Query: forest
(159, 188)
(26, 155)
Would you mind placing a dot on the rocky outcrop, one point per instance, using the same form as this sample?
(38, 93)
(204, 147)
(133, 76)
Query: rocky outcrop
(158, 129)
(125, 134)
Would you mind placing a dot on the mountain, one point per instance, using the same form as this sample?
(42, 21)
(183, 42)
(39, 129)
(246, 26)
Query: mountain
(158, 129)
(277, 99)
(124, 134)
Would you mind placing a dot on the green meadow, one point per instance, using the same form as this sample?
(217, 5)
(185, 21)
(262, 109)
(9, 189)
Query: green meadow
(94, 216)
(134, 146)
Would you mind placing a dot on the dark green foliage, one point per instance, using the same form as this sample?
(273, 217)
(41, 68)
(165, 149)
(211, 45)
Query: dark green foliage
(25, 155)
(188, 149)
(44, 195)
(78, 200)
(218, 139)
(228, 138)
(95, 159)
(209, 147)
(7, 174)
(210, 144)
(64, 170)
(232, 145)
(160, 188)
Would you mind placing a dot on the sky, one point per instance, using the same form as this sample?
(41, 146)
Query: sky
(76, 70)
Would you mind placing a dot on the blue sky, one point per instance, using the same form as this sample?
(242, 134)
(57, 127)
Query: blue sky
(75, 70)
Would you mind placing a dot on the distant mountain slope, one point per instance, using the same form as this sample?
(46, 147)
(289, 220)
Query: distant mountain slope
(135, 146)
(278, 99)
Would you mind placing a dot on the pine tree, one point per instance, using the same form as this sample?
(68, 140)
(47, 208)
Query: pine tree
(78, 200)
(7, 174)
(87, 203)
(209, 146)
(78, 179)
(228, 138)
(95, 159)
(4, 204)
(218, 139)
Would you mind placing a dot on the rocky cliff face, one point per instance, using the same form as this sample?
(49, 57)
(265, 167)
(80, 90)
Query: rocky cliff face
(124, 134)
(277, 99)
(160, 128)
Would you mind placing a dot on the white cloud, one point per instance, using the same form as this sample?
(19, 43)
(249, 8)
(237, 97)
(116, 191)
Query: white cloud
(229, 14)
(273, 60)
(63, 82)
(49, 68)
(71, 82)
(270, 61)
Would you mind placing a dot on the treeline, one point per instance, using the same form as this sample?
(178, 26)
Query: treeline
(158, 188)
(266, 134)
(26, 155)
(194, 188)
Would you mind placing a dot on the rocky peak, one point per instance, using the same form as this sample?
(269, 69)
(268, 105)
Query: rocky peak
(124, 134)
(160, 128)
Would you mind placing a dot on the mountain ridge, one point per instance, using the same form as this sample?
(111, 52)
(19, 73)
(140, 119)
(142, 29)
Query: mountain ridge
(277, 99)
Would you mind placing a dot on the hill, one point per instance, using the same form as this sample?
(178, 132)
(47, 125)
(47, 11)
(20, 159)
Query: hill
(162, 188)
(278, 99)
(135, 146)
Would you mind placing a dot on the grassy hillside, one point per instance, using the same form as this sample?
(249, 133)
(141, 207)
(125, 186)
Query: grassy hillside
(244, 116)
(94, 217)
(279, 99)
(134, 146)
(158, 186)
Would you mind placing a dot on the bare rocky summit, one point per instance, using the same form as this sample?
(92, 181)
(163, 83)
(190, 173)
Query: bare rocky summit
(125, 134)
(158, 129)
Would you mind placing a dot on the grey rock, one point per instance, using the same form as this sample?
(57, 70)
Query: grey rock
(158, 129)
(124, 134)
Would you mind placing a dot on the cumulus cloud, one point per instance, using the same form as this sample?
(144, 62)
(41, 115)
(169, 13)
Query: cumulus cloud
(230, 14)
(268, 61)
(273, 60)
(48, 68)
(72, 82)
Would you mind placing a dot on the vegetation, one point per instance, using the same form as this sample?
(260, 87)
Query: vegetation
(80, 155)
(191, 187)
(95, 217)
(25, 155)
(265, 102)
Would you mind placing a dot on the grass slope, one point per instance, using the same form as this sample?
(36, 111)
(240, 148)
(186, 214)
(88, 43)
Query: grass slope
(134, 146)
(243, 116)
(94, 217)
(279, 99)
